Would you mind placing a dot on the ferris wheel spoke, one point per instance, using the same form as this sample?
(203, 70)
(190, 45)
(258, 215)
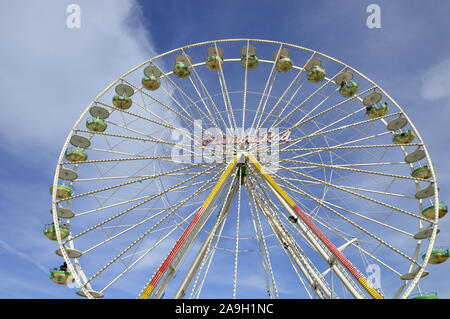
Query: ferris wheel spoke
(355, 170)
(109, 151)
(163, 104)
(264, 99)
(288, 102)
(105, 207)
(295, 189)
(207, 259)
(305, 119)
(342, 144)
(153, 140)
(295, 141)
(295, 254)
(244, 103)
(209, 97)
(146, 107)
(168, 173)
(357, 245)
(341, 120)
(133, 227)
(147, 251)
(306, 100)
(125, 177)
(262, 236)
(202, 255)
(148, 199)
(157, 284)
(313, 166)
(350, 188)
(353, 193)
(339, 234)
(329, 208)
(320, 221)
(263, 250)
(141, 237)
(136, 158)
(321, 132)
(226, 96)
(192, 103)
(278, 102)
(236, 248)
(265, 96)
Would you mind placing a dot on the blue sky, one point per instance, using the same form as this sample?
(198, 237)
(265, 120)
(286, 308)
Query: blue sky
(50, 73)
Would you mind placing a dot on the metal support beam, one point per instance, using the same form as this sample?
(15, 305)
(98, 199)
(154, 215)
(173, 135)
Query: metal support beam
(181, 292)
(315, 235)
(179, 250)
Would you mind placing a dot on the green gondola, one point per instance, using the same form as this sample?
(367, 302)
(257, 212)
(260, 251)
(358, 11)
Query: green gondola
(61, 277)
(214, 62)
(62, 191)
(429, 211)
(181, 70)
(404, 138)
(283, 64)
(76, 155)
(317, 74)
(426, 295)
(349, 89)
(50, 231)
(151, 82)
(249, 62)
(96, 124)
(438, 256)
(377, 110)
(423, 172)
(122, 102)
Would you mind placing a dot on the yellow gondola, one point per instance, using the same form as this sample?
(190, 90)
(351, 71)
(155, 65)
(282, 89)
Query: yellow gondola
(96, 124)
(76, 155)
(152, 78)
(349, 88)
(438, 256)
(61, 276)
(425, 295)
(317, 74)
(151, 82)
(423, 172)
(249, 59)
(214, 58)
(282, 60)
(183, 65)
(377, 110)
(122, 102)
(62, 191)
(429, 211)
(404, 138)
(50, 231)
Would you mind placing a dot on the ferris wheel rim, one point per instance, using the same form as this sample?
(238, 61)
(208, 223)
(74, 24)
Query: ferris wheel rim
(418, 275)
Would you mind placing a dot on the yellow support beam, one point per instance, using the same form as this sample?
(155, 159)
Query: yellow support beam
(212, 197)
(331, 247)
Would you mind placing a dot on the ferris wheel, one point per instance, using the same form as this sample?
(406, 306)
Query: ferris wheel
(245, 168)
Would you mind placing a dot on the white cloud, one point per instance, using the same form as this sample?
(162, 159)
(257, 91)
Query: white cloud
(50, 73)
(436, 82)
